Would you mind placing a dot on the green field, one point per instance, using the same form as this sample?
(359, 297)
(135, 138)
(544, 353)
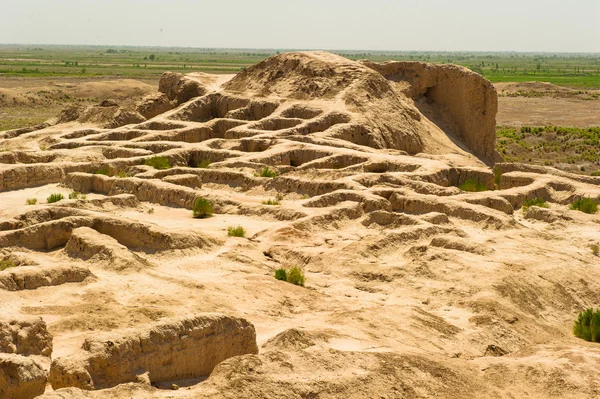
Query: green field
(574, 70)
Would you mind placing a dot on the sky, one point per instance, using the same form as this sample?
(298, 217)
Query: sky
(425, 25)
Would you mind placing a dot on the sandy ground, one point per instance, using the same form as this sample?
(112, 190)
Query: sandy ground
(412, 285)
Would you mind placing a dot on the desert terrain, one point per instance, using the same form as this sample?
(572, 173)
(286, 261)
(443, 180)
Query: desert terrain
(358, 173)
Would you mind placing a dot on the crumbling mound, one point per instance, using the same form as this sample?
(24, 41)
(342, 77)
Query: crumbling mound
(172, 350)
(109, 116)
(25, 337)
(21, 377)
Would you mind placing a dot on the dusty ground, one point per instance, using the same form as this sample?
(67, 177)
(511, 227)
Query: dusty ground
(414, 288)
(542, 104)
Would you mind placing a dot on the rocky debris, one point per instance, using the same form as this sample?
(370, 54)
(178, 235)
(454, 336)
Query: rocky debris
(25, 337)
(180, 88)
(21, 377)
(172, 350)
(108, 103)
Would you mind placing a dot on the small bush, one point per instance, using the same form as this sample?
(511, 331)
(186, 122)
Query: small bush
(6, 263)
(151, 211)
(585, 205)
(587, 325)
(204, 163)
(281, 274)
(31, 201)
(105, 170)
(160, 163)
(534, 202)
(121, 174)
(266, 172)
(595, 249)
(238, 231)
(473, 185)
(55, 198)
(83, 196)
(271, 202)
(202, 208)
(295, 276)
(74, 195)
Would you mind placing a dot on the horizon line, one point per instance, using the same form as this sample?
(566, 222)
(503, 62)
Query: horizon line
(291, 49)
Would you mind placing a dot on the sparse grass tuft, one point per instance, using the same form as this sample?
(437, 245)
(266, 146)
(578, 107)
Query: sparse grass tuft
(6, 264)
(296, 276)
(203, 208)
(281, 274)
(204, 163)
(238, 231)
(121, 174)
(74, 195)
(497, 177)
(587, 325)
(31, 201)
(160, 163)
(266, 172)
(105, 170)
(271, 202)
(596, 173)
(585, 205)
(55, 198)
(595, 249)
(534, 202)
(473, 185)
(151, 211)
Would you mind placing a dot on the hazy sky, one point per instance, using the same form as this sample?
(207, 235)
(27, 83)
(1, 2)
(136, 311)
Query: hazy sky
(518, 25)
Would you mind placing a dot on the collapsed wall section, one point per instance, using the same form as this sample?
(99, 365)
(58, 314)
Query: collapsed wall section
(173, 350)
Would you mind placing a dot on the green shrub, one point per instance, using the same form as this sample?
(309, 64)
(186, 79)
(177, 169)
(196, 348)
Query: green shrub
(473, 185)
(31, 201)
(585, 205)
(105, 170)
(281, 274)
(266, 172)
(203, 208)
(595, 249)
(587, 325)
(55, 198)
(204, 163)
(160, 163)
(271, 202)
(534, 202)
(295, 276)
(121, 174)
(238, 231)
(6, 263)
(74, 195)
(596, 173)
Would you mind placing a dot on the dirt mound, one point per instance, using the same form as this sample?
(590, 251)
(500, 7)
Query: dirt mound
(462, 98)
